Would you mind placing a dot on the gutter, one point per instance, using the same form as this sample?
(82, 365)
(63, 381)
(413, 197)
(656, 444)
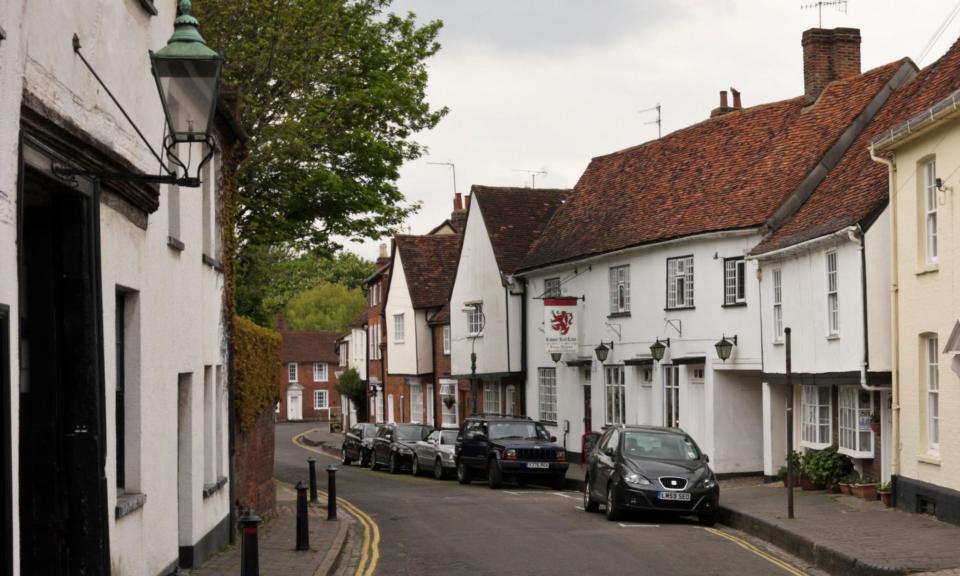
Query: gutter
(894, 306)
(803, 246)
(915, 126)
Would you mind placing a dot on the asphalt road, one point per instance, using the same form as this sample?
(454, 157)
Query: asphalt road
(440, 527)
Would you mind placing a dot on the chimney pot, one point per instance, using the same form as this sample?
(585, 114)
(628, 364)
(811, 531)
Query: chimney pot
(723, 99)
(736, 98)
(829, 55)
(468, 199)
(383, 251)
(458, 201)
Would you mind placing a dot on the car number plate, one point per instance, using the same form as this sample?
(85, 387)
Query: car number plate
(679, 496)
(538, 464)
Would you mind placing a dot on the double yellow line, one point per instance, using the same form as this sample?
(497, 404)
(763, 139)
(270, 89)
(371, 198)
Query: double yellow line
(370, 550)
(751, 548)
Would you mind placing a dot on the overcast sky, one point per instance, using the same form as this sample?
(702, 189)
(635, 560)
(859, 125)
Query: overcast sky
(549, 84)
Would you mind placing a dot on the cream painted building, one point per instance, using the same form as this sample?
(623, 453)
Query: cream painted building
(923, 156)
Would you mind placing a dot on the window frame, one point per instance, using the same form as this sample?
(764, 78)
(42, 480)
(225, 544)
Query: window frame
(474, 313)
(399, 328)
(549, 289)
(929, 211)
(447, 341)
(855, 414)
(816, 423)
(321, 372)
(931, 386)
(416, 402)
(547, 394)
(739, 282)
(317, 394)
(293, 370)
(491, 389)
(449, 389)
(689, 282)
(614, 395)
(833, 293)
(671, 410)
(619, 289)
(777, 299)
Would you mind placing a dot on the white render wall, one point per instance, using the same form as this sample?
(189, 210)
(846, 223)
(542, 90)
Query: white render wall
(357, 357)
(877, 252)
(479, 280)
(413, 355)
(706, 407)
(179, 300)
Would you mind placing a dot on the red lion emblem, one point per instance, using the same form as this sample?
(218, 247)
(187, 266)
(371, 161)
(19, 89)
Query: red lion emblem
(562, 321)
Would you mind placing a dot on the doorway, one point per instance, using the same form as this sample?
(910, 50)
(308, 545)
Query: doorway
(63, 507)
(6, 479)
(587, 403)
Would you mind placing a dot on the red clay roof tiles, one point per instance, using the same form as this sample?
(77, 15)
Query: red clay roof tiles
(309, 346)
(429, 266)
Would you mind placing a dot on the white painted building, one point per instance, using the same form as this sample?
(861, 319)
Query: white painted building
(486, 302)
(135, 406)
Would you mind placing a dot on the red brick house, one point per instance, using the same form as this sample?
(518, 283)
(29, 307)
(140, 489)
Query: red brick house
(308, 376)
(376, 289)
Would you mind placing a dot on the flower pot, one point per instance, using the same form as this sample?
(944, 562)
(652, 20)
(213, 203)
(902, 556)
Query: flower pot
(844, 488)
(833, 487)
(875, 426)
(865, 491)
(808, 484)
(886, 498)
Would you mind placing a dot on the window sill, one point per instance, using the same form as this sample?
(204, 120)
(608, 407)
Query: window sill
(548, 422)
(211, 489)
(398, 341)
(625, 314)
(680, 309)
(478, 335)
(815, 446)
(175, 243)
(932, 459)
(734, 305)
(149, 7)
(928, 269)
(856, 455)
(213, 263)
(833, 337)
(129, 503)
(778, 342)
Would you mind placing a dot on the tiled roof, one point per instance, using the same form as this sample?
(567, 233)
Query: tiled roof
(309, 346)
(858, 187)
(515, 218)
(360, 320)
(429, 266)
(726, 173)
(441, 316)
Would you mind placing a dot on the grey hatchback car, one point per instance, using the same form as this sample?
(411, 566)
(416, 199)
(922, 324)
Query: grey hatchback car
(435, 454)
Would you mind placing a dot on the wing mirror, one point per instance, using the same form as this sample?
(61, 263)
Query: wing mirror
(706, 458)
(553, 438)
(609, 451)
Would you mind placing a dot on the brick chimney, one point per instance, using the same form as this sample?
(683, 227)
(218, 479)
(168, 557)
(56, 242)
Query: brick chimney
(724, 106)
(829, 55)
(384, 256)
(736, 98)
(458, 218)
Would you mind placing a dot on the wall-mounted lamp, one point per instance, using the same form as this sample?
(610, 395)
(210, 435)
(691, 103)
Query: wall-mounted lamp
(602, 351)
(556, 356)
(725, 347)
(939, 183)
(658, 348)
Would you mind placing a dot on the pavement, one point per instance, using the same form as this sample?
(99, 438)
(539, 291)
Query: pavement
(335, 545)
(843, 534)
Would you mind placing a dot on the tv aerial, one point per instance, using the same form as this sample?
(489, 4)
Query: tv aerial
(533, 175)
(838, 4)
(658, 121)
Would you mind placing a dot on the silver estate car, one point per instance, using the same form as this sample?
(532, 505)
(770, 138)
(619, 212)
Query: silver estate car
(435, 454)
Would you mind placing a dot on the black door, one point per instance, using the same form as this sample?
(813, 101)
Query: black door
(62, 482)
(6, 479)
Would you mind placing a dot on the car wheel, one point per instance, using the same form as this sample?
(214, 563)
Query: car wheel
(344, 459)
(438, 469)
(373, 461)
(494, 474)
(557, 482)
(463, 473)
(394, 466)
(613, 511)
(588, 504)
(708, 519)
(364, 458)
(415, 465)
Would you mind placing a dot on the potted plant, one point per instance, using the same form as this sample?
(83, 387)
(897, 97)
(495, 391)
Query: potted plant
(886, 494)
(811, 470)
(875, 422)
(846, 483)
(831, 466)
(449, 401)
(865, 488)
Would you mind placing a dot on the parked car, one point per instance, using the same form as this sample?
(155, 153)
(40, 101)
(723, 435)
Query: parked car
(393, 445)
(653, 469)
(435, 454)
(358, 444)
(508, 446)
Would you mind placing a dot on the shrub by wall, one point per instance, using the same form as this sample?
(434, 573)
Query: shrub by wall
(257, 356)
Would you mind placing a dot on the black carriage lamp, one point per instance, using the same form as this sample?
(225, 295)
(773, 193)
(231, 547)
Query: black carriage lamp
(556, 356)
(658, 348)
(602, 351)
(725, 346)
(187, 73)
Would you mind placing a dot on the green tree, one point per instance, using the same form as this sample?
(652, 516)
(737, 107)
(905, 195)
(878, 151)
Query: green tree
(332, 92)
(324, 307)
(349, 384)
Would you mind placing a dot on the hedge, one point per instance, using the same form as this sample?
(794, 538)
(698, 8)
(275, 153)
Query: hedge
(256, 357)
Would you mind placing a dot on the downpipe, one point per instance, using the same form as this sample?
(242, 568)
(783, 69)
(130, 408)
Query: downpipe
(856, 236)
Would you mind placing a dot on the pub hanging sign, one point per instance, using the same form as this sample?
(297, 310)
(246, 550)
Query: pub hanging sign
(559, 321)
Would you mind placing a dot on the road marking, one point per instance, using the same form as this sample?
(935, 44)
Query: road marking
(579, 507)
(622, 525)
(514, 493)
(370, 550)
(562, 495)
(751, 548)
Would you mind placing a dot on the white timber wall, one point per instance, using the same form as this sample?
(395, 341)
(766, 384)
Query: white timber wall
(877, 253)
(358, 351)
(692, 332)
(402, 355)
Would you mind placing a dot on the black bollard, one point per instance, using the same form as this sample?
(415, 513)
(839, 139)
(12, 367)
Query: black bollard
(313, 479)
(303, 528)
(331, 492)
(249, 555)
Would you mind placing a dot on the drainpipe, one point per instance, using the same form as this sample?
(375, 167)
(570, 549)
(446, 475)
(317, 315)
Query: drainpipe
(523, 346)
(856, 236)
(894, 306)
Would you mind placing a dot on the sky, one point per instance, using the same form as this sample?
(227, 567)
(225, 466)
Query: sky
(546, 85)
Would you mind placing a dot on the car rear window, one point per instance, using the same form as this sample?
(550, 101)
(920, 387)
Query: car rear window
(369, 431)
(656, 446)
(449, 436)
(409, 433)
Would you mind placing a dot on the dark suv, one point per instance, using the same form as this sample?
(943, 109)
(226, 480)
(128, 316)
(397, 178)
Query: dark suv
(499, 446)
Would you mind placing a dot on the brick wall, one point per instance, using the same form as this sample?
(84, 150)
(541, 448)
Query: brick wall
(254, 466)
(305, 379)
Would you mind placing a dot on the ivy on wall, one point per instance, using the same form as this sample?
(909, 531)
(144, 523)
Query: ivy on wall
(256, 358)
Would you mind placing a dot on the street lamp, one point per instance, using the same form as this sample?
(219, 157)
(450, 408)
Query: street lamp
(658, 348)
(474, 308)
(725, 347)
(602, 351)
(383, 375)
(187, 73)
